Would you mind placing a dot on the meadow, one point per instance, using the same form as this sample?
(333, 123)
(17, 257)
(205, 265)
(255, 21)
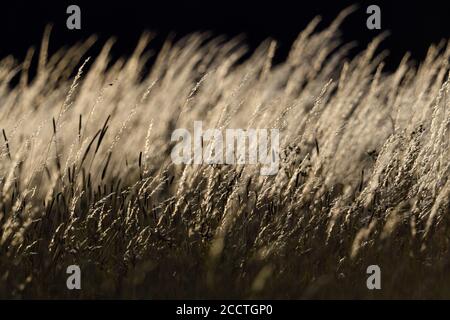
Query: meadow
(86, 176)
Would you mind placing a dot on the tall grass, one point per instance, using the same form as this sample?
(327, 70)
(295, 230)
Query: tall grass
(86, 176)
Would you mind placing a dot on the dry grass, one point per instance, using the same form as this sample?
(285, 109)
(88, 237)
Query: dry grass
(86, 176)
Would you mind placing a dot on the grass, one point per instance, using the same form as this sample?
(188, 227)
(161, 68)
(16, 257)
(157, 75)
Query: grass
(86, 176)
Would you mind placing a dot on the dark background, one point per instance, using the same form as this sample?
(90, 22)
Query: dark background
(413, 25)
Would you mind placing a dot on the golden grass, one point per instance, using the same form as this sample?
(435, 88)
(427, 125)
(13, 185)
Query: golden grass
(86, 176)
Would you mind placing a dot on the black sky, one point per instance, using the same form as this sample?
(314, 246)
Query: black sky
(413, 25)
